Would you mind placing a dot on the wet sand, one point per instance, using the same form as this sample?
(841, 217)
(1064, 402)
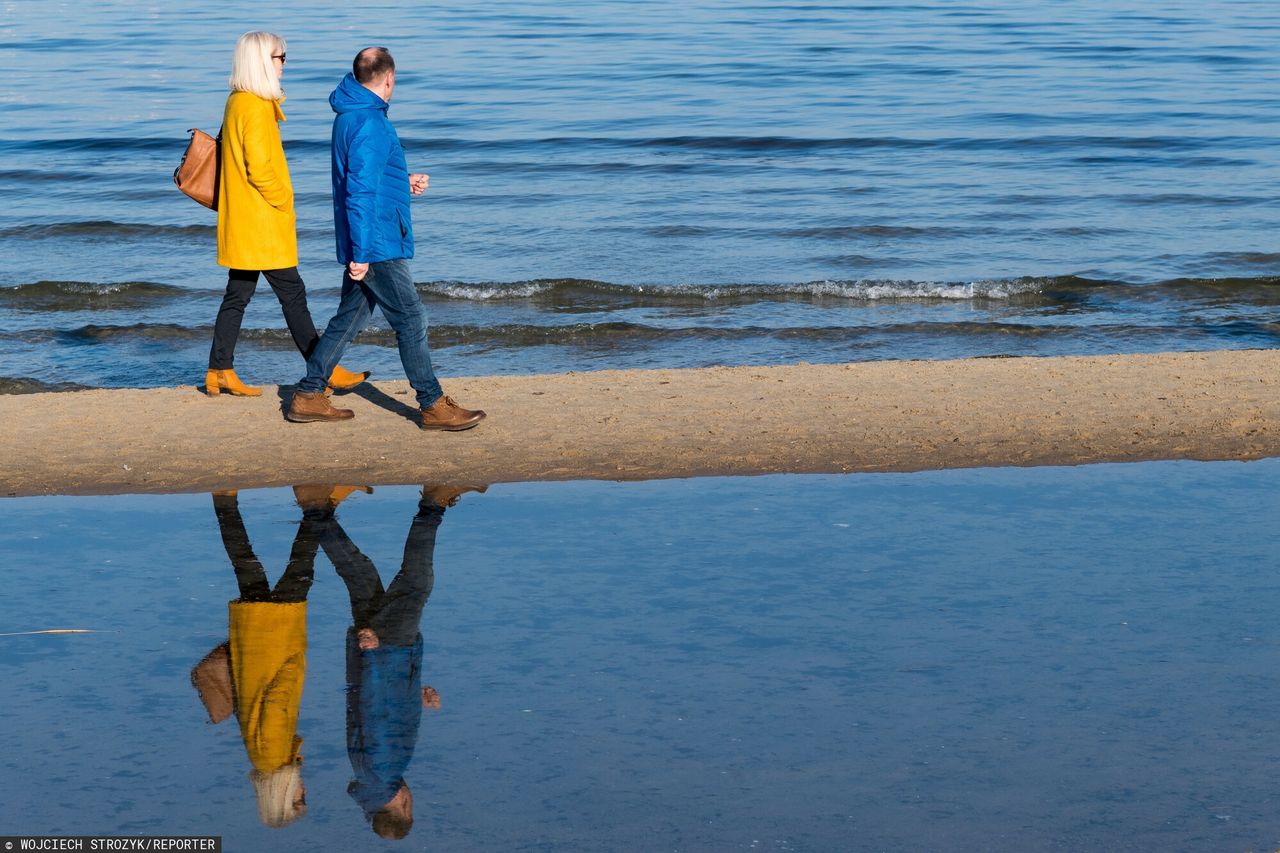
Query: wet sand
(645, 424)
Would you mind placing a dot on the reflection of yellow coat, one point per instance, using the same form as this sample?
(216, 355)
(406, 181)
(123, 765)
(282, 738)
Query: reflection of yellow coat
(268, 665)
(257, 229)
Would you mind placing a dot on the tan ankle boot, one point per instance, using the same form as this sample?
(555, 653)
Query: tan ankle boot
(342, 379)
(341, 493)
(448, 415)
(314, 406)
(216, 381)
(326, 496)
(445, 495)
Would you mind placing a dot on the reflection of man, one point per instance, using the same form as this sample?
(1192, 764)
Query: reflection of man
(385, 696)
(371, 189)
(258, 673)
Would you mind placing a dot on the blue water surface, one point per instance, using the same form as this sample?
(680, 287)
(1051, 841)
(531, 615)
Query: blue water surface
(1015, 659)
(920, 180)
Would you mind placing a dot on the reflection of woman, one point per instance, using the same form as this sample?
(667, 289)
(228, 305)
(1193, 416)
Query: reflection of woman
(263, 664)
(256, 222)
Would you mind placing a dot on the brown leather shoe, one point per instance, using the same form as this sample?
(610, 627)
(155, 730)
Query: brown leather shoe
(306, 407)
(448, 415)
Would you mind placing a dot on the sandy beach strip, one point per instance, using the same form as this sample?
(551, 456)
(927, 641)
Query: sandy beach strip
(645, 424)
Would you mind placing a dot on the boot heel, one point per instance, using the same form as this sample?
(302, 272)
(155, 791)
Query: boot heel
(211, 388)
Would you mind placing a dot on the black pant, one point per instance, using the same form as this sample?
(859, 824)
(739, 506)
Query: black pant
(241, 284)
(294, 584)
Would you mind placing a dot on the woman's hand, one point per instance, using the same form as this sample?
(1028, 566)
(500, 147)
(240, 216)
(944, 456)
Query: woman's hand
(418, 183)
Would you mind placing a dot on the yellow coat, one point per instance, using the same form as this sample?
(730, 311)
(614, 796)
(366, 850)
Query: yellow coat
(268, 666)
(257, 229)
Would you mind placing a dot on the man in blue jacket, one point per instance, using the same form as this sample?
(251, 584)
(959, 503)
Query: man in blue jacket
(371, 189)
(385, 694)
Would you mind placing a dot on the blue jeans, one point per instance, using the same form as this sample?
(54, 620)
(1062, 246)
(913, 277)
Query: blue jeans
(388, 285)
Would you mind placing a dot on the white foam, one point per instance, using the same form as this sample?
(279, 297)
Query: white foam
(881, 290)
(481, 292)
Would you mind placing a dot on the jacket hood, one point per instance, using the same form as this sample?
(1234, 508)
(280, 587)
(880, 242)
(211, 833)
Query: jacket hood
(351, 96)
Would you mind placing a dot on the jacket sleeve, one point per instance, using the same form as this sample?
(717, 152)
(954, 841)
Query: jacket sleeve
(262, 152)
(366, 160)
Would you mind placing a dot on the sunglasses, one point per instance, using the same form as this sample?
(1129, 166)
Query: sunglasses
(279, 56)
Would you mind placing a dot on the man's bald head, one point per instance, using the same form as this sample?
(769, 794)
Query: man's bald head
(372, 64)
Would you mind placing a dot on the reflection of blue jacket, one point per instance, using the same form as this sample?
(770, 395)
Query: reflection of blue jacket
(384, 710)
(370, 179)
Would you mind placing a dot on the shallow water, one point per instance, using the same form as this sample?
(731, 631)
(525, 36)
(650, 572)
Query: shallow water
(1030, 659)
(868, 180)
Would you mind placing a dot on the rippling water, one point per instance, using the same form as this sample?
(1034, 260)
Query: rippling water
(890, 662)
(619, 184)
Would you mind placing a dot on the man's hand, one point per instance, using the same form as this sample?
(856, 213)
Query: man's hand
(418, 183)
(357, 271)
(430, 698)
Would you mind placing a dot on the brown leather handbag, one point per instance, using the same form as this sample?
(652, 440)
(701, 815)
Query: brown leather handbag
(212, 681)
(197, 174)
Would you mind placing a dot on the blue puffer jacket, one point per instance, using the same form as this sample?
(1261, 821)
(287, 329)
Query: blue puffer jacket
(370, 179)
(384, 713)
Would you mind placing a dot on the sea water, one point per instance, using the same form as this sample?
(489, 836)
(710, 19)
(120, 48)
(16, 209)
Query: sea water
(620, 184)
(1018, 659)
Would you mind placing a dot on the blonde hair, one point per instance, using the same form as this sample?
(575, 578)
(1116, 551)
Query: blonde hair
(252, 69)
(278, 793)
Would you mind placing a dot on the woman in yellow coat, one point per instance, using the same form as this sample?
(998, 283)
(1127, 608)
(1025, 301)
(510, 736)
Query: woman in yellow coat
(258, 674)
(256, 223)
